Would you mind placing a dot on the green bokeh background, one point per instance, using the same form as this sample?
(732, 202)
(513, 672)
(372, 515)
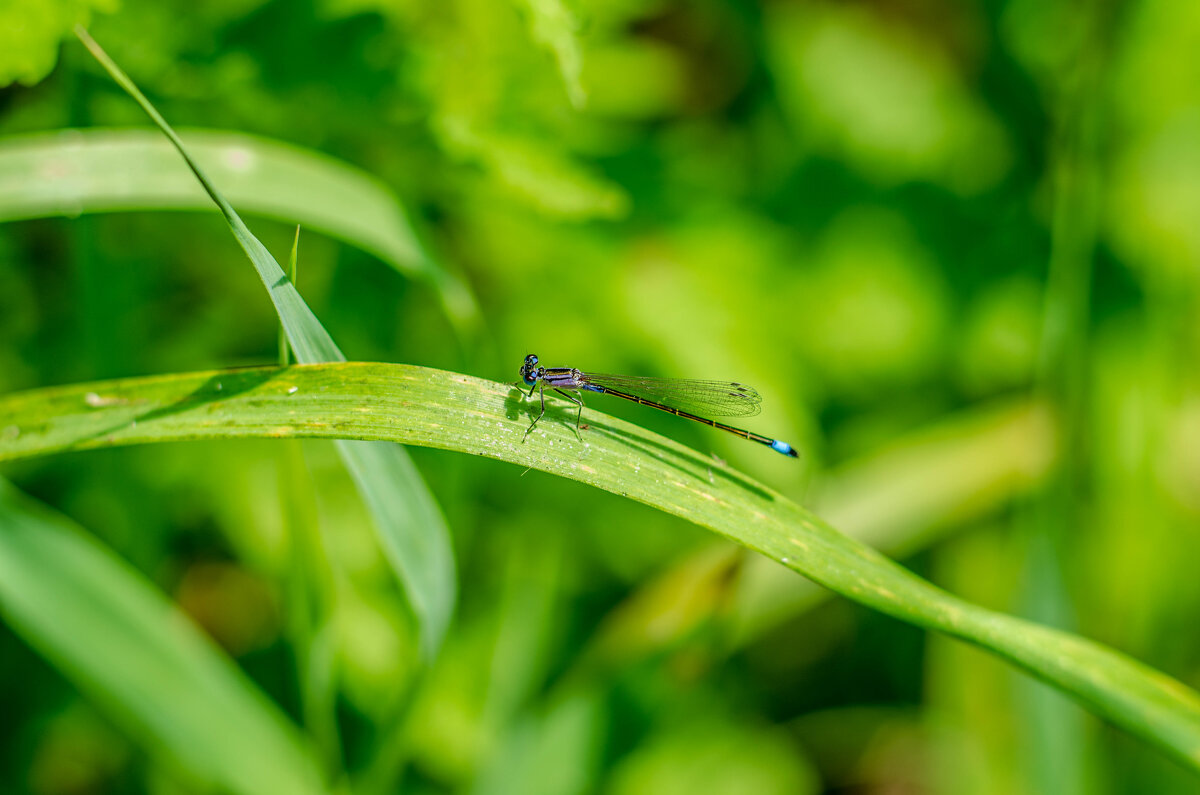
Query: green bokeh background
(956, 246)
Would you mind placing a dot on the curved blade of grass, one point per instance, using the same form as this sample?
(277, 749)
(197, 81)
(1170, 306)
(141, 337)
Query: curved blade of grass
(408, 523)
(981, 460)
(88, 171)
(432, 408)
(140, 658)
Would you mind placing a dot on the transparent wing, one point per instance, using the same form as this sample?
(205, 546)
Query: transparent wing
(706, 398)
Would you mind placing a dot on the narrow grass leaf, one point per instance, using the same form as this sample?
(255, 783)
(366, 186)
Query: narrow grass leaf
(285, 353)
(451, 411)
(141, 660)
(409, 525)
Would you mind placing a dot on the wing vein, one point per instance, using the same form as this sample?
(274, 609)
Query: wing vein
(705, 398)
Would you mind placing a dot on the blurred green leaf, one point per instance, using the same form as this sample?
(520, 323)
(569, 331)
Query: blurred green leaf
(555, 753)
(718, 759)
(636, 79)
(884, 96)
(874, 302)
(408, 522)
(32, 30)
(89, 171)
(110, 632)
(554, 26)
(529, 170)
(451, 411)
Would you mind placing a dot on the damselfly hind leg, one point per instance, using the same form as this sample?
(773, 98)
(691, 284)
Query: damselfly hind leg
(578, 401)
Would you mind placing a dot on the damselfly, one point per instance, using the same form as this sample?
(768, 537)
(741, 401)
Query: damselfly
(681, 397)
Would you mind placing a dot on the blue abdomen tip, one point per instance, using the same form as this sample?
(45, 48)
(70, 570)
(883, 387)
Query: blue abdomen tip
(785, 448)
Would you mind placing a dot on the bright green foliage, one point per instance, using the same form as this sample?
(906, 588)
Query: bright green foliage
(409, 524)
(133, 651)
(67, 175)
(883, 100)
(952, 244)
(553, 25)
(718, 759)
(444, 410)
(31, 32)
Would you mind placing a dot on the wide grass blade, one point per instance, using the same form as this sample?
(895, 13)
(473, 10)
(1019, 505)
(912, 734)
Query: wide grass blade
(410, 526)
(414, 405)
(133, 652)
(93, 171)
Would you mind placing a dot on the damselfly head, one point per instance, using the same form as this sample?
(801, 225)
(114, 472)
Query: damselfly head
(529, 370)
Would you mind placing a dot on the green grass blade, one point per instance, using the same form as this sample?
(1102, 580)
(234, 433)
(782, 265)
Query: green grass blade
(126, 646)
(285, 353)
(414, 405)
(407, 520)
(91, 171)
(554, 25)
(981, 459)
